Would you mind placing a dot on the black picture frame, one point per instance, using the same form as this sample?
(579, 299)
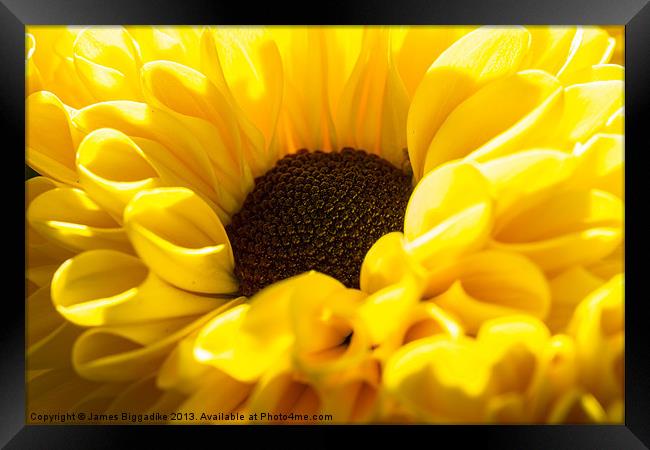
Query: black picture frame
(16, 14)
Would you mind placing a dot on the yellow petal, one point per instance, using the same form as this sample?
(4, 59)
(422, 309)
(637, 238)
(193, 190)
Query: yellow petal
(51, 137)
(283, 392)
(572, 227)
(355, 400)
(160, 43)
(374, 103)
(615, 123)
(42, 318)
(440, 380)
(129, 352)
(217, 394)
(53, 57)
(181, 148)
(590, 46)
(112, 169)
(253, 146)
(322, 325)
(523, 178)
(550, 47)
(181, 372)
(181, 239)
(33, 80)
(71, 219)
(252, 66)
(498, 119)
(385, 311)
(57, 390)
(143, 397)
(306, 118)
(194, 100)
(107, 60)
(598, 329)
(567, 291)
(494, 284)
(105, 287)
(247, 340)
(600, 164)
(420, 320)
(598, 72)
(577, 407)
(483, 55)
(387, 262)
(610, 265)
(516, 344)
(449, 214)
(43, 255)
(587, 107)
(421, 46)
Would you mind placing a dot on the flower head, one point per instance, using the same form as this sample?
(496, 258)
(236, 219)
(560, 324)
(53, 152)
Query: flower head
(323, 224)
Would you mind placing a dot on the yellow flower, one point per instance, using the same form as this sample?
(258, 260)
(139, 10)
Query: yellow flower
(325, 225)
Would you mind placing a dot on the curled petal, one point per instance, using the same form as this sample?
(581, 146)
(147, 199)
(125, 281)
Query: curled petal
(43, 255)
(516, 344)
(283, 391)
(571, 227)
(175, 146)
(577, 407)
(328, 336)
(420, 47)
(51, 137)
(550, 47)
(181, 239)
(71, 219)
(439, 379)
(385, 311)
(105, 287)
(475, 59)
(568, 289)
(182, 372)
(449, 214)
(387, 262)
(600, 164)
(193, 99)
(421, 320)
(523, 178)
(598, 72)
(598, 329)
(356, 399)
(249, 339)
(57, 390)
(112, 169)
(144, 397)
(48, 337)
(129, 352)
(217, 393)
(498, 119)
(587, 108)
(493, 284)
(590, 46)
(107, 61)
(33, 81)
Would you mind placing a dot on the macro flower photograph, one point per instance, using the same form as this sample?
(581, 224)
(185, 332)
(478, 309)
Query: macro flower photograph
(324, 225)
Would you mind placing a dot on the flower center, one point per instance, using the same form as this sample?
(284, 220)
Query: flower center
(316, 211)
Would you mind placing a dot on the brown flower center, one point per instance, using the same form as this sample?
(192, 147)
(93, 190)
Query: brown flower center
(316, 211)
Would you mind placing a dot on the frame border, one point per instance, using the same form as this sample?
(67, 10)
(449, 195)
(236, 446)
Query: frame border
(634, 14)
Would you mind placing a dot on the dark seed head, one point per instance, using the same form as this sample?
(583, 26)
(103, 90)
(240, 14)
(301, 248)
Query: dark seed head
(316, 211)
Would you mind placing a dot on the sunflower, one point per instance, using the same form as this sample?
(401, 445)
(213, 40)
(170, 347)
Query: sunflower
(324, 225)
